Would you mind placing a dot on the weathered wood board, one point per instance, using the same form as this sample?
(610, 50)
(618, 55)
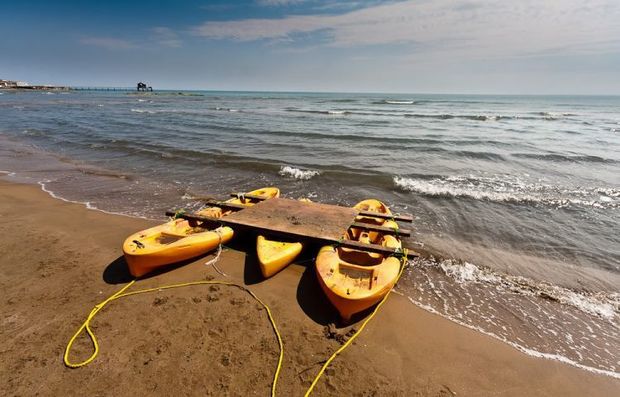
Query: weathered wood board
(323, 221)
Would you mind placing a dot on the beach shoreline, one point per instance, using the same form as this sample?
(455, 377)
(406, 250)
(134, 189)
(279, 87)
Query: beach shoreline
(60, 259)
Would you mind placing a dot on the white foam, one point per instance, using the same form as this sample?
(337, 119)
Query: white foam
(399, 102)
(600, 305)
(466, 272)
(526, 350)
(588, 304)
(439, 187)
(87, 204)
(297, 173)
(511, 189)
(336, 112)
(143, 111)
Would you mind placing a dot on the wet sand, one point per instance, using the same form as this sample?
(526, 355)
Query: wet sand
(60, 259)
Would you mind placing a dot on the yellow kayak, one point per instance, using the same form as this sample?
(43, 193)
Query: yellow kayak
(179, 239)
(171, 242)
(355, 280)
(274, 255)
(266, 193)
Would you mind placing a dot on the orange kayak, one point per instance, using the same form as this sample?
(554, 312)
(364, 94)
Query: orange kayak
(355, 280)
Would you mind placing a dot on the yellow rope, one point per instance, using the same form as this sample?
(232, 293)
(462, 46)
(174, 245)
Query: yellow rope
(352, 338)
(121, 293)
(86, 325)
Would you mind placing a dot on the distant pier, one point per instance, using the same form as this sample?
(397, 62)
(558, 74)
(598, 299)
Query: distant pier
(102, 89)
(14, 85)
(140, 87)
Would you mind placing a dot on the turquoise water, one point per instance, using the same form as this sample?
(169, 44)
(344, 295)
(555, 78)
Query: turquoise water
(519, 196)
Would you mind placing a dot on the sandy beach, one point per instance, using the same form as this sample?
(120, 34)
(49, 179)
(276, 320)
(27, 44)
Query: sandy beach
(60, 259)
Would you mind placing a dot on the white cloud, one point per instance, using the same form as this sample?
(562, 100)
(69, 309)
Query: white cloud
(108, 43)
(166, 37)
(481, 27)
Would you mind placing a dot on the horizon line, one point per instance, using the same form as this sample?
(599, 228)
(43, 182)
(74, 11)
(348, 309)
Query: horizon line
(340, 92)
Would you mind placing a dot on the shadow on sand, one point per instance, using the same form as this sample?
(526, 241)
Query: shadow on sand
(117, 272)
(310, 296)
(313, 300)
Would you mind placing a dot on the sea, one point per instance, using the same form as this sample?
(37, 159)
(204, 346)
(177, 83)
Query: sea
(516, 199)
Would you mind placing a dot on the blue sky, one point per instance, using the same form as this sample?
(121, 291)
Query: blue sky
(438, 46)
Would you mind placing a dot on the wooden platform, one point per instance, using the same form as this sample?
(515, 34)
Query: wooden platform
(287, 216)
(301, 221)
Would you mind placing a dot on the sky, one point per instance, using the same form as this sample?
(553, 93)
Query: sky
(417, 46)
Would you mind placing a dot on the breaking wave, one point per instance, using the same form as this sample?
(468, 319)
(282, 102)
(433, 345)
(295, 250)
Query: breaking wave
(298, 173)
(511, 189)
(330, 112)
(555, 115)
(473, 117)
(395, 102)
(604, 305)
(226, 109)
(391, 112)
(143, 111)
(563, 158)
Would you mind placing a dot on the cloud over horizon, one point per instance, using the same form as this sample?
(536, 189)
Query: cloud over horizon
(478, 27)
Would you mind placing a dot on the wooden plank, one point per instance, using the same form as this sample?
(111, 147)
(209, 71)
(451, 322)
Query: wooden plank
(399, 218)
(294, 235)
(250, 196)
(382, 229)
(224, 205)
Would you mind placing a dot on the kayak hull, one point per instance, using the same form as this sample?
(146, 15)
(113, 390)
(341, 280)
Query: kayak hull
(351, 288)
(274, 256)
(150, 249)
(355, 280)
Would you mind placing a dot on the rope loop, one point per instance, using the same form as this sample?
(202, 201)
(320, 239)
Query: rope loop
(121, 294)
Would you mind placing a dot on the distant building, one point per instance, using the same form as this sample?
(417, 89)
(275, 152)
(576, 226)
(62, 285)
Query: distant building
(8, 83)
(143, 87)
(23, 85)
